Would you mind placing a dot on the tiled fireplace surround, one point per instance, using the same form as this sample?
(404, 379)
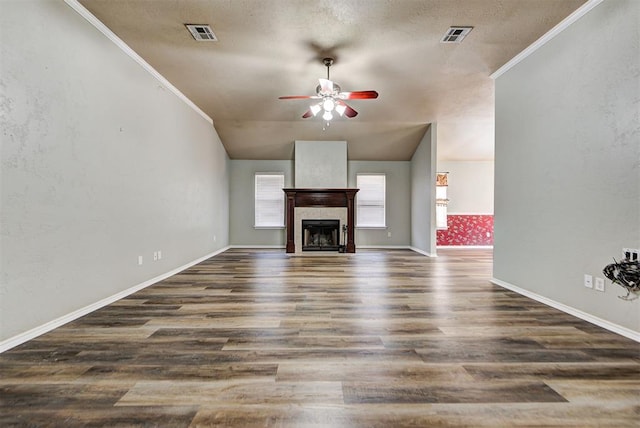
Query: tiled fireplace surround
(319, 204)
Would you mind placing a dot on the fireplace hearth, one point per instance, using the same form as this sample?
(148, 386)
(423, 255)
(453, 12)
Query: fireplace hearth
(320, 235)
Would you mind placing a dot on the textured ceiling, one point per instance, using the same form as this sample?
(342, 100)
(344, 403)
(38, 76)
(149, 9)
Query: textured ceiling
(268, 48)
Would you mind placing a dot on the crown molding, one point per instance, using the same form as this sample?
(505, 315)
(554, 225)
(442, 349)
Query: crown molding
(549, 35)
(82, 11)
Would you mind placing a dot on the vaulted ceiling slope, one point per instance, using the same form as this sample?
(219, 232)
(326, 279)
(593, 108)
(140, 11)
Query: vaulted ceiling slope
(269, 48)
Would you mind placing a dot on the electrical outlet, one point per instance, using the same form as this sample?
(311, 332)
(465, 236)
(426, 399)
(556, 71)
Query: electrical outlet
(388, 234)
(159, 254)
(139, 260)
(588, 281)
(599, 284)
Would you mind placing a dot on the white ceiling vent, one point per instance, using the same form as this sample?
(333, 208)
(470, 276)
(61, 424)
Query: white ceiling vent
(202, 33)
(456, 34)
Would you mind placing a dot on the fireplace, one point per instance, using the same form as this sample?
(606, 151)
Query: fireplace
(320, 235)
(321, 198)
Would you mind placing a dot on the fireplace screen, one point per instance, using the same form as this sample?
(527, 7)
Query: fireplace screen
(320, 235)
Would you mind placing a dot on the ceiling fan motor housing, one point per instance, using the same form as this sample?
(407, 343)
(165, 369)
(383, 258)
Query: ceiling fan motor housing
(336, 90)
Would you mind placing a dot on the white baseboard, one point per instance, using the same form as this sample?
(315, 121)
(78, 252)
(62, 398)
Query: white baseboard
(364, 247)
(383, 247)
(257, 246)
(21, 338)
(465, 247)
(424, 253)
(623, 331)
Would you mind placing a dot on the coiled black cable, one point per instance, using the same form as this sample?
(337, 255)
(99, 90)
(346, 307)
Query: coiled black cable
(626, 274)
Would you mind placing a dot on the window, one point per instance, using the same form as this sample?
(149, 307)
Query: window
(370, 205)
(269, 211)
(441, 200)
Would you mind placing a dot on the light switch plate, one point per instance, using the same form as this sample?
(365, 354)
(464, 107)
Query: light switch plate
(588, 281)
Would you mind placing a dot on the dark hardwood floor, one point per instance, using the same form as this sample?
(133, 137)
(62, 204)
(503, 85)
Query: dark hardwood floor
(373, 339)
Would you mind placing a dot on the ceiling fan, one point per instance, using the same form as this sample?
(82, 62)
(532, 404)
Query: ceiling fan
(331, 98)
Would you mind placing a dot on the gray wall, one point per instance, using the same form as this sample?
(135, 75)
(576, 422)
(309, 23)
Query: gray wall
(242, 202)
(423, 193)
(398, 203)
(100, 164)
(321, 164)
(470, 189)
(567, 194)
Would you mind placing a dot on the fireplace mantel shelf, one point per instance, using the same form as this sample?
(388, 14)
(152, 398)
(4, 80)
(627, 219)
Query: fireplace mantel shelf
(321, 198)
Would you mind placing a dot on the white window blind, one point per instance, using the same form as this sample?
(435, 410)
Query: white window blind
(441, 200)
(269, 211)
(370, 200)
(441, 216)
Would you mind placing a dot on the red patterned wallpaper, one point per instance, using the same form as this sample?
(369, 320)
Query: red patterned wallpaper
(467, 230)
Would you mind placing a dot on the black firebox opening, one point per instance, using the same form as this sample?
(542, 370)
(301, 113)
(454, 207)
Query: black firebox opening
(320, 235)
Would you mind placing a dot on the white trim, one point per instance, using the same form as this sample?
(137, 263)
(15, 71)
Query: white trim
(450, 213)
(549, 35)
(424, 253)
(256, 246)
(384, 247)
(465, 247)
(364, 247)
(82, 11)
(21, 338)
(623, 331)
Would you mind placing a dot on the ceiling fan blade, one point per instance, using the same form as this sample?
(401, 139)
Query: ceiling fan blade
(297, 97)
(307, 114)
(326, 86)
(358, 95)
(348, 111)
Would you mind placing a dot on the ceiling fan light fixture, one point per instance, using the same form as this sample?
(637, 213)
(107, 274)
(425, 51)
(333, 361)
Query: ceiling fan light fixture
(327, 116)
(315, 109)
(340, 109)
(328, 104)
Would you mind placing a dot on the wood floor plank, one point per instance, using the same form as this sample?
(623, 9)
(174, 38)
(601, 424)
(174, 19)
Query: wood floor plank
(113, 416)
(431, 392)
(246, 391)
(372, 339)
(560, 415)
(590, 371)
(383, 372)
